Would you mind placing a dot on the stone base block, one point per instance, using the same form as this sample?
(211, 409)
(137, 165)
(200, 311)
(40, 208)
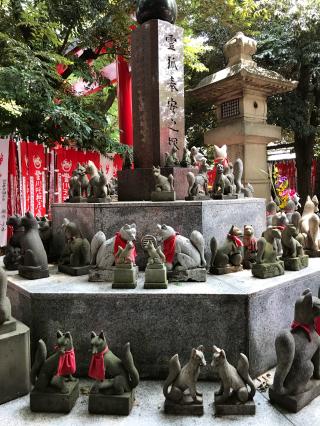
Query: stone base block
(32, 273)
(99, 200)
(234, 407)
(267, 270)
(8, 326)
(190, 409)
(295, 403)
(199, 197)
(296, 263)
(100, 275)
(120, 405)
(76, 200)
(226, 270)
(75, 271)
(55, 402)
(14, 362)
(225, 197)
(156, 277)
(125, 276)
(197, 274)
(138, 184)
(163, 196)
(312, 253)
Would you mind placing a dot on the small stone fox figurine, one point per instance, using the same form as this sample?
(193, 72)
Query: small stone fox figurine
(114, 376)
(181, 379)
(298, 349)
(233, 379)
(58, 368)
(5, 305)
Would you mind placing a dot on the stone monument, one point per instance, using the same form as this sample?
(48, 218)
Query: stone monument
(115, 378)
(180, 387)
(240, 93)
(297, 377)
(157, 101)
(14, 350)
(233, 397)
(55, 389)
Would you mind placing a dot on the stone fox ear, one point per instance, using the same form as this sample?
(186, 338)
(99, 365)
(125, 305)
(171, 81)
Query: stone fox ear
(59, 334)
(306, 291)
(101, 335)
(194, 352)
(93, 334)
(231, 229)
(133, 225)
(215, 349)
(158, 226)
(200, 348)
(222, 353)
(307, 301)
(67, 334)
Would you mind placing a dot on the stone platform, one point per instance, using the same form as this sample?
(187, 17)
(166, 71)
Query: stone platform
(236, 312)
(211, 217)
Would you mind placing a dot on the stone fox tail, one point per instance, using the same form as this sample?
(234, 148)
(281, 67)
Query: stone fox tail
(243, 370)
(214, 251)
(174, 371)
(130, 367)
(40, 358)
(198, 241)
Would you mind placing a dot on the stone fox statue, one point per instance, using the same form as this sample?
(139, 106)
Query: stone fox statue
(113, 375)
(182, 253)
(34, 256)
(76, 251)
(58, 368)
(5, 305)
(162, 183)
(298, 349)
(103, 250)
(13, 250)
(230, 253)
(309, 226)
(233, 379)
(181, 379)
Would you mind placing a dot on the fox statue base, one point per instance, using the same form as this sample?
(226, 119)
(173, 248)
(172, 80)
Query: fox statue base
(296, 263)
(196, 274)
(33, 272)
(233, 407)
(156, 276)
(312, 253)
(295, 403)
(125, 276)
(117, 405)
(8, 326)
(97, 275)
(99, 200)
(53, 401)
(75, 271)
(226, 197)
(163, 196)
(189, 408)
(226, 270)
(76, 200)
(268, 270)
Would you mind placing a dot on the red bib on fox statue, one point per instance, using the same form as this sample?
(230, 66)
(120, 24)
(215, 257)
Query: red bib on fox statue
(67, 363)
(119, 241)
(97, 369)
(169, 246)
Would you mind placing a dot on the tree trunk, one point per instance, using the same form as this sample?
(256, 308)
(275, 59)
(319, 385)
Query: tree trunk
(304, 145)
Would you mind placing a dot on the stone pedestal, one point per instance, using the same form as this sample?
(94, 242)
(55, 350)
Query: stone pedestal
(118, 405)
(14, 360)
(295, 403)
(196, 274)
(125, 276)
(97, 275)
(74, 270)
(139, 184)
(33, 273)
(226, 270)
(163, 196)
(296, 263)
(233, 407)
(188, 409)
(156, 276)
(267, 270)
(53, 401)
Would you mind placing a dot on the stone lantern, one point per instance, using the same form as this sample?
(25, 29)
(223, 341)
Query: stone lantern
(240, 93)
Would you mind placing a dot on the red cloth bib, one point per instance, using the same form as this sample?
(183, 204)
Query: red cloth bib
(169, 246)
(317, 324)
(119, 241)
(236, 240)
(67, 363)
(97, 370)
(305, 327)
(250, 243)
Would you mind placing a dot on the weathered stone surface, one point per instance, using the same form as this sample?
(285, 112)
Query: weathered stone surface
(227, 270)
(8, 326)
(197, 274)
(156, 276)
(120, 405)
(125, 276)
(208, 217)
(184, 409)
(295, 403)
(296, 263)
(267, 270)
(163, 196)
(14, 363)
(100, 275)
(74, 270)
(233, 407)
(55, 402)
(99, 200)
(76, 200)
(225, 197)
(256, 310)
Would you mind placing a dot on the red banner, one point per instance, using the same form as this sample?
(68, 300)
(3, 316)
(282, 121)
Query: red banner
(14, 206)
(25, 184)
(37, 179)
(67, 160)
